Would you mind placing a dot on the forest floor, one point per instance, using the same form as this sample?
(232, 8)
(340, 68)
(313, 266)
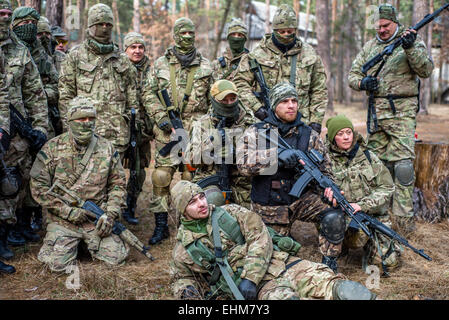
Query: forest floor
(140, 278)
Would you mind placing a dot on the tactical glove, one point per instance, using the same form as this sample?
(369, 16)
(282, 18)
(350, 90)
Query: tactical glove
(38, 140)
(409, 40)
(287, 158)
(248, 289)
(165, 125)
(369, 83)
(77, 216)
(261, 113)
(104, 225)
(190, 293)
(315, 126)
(5, 139)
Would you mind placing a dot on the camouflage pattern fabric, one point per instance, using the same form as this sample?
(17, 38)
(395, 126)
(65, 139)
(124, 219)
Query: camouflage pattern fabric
(133, 38)
(395, 139)
(110, 81)
(99, 13)
(310, 77)
(201, 144)
(26, 93)
(285, 17)
(232, 66)
(387, 11)
(60, 247)
(58, 58)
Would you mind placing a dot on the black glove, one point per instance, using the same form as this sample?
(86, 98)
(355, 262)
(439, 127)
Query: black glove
(190, 293)
(5, 139)
(248, 289)
(261, 113)
(315, 126)
(39, 139)
(408, 40)
(287, 158)
(369, 83)
(165, 125)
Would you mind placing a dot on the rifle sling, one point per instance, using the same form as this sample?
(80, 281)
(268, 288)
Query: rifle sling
(392, 97)
(188, 90)
(84, 161)
(293, 70)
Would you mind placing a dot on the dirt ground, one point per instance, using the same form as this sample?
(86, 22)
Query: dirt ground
(140, 278)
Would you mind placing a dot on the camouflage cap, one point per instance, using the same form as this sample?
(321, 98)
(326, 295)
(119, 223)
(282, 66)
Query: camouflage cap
(285, 17)
(81, 107)
(99, 13)
(5, 4)
(221, 88)
(43, 25)
(56, 31)
(387, 11)
(182, 193)
(280, 92)
(182, 25)
(237, 25)
(335, 124)
(24, 13)
(133, 38)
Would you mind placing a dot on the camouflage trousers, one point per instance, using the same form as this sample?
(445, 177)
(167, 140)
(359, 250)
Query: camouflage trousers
(308, 208)
(395, 141)
(304, 280)
(60, 246)
(373, 249)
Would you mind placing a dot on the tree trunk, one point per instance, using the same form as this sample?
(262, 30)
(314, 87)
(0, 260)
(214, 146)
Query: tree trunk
(348, 49)
(173, 7)
(267, 15)
(223, 22)
(117, 23)
(432, 180)
(36, 4)
(54, 12)
(306, 32)
(323, 37)
(136, 16)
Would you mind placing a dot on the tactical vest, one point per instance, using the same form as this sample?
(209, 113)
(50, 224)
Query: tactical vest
(204, 257)
(273, 190)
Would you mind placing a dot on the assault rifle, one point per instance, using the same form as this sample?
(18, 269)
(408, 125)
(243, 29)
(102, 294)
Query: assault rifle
(310, 171)
(95, 212)
(263, 95)
(132, 155)
(382, 58)
(175, 120)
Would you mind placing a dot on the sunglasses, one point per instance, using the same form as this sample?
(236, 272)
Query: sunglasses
(62, 41)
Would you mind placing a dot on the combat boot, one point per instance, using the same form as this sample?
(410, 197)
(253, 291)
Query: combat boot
(15, 237)
(24, 224)
(161, 229)
(129, 215)
(36, 222)
(351, 290)
(6, 268)
(331, 262)
(5, 252)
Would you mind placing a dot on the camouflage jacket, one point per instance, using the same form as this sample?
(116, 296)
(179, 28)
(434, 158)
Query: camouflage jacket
(25, 89)
(257, 257)
(58, 58)
(399, 76)
(310, 78)
(231, 66)
(159, 79)
(198, 150)
(109, 80)
(369, 184)
(47, 70)
(102, 181)
(143, 69)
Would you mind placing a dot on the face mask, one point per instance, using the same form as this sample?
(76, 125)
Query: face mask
(237, 45)
(228, 111)
(284, 39)
(185, 43)
(82, 132)
(45, 43)
(4, 27)
(100, 33)
(26, 32)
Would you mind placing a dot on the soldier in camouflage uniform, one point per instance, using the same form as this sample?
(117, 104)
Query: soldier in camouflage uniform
(61, 39)
(208, 149)
(96, 69)
(186, 75)
(260, 267)
(273, 171)
(226, 66)
(134, 45)
(367, 185)
(282, 56)
(396, 104)
(27, 95)
(89, 168)
(48, 41)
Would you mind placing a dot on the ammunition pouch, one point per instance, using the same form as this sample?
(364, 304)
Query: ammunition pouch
(10, 182)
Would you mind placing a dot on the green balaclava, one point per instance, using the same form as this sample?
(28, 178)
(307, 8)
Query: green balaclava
(335, 124)
(219, 90)
(5, 21)
(184, 44)
(285, 17)
(97, 15)
(280, 92)
(237, 45)
(81, 107)
(387, 11)
(27, 32)
(43, 25)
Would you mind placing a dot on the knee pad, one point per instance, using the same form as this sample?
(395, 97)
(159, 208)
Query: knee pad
(161, 178)
(333, 225)
(351, 290)
(404, 172)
